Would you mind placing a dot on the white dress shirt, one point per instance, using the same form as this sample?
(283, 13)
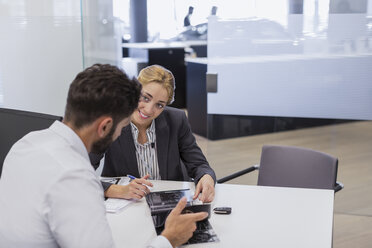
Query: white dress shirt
(50, 195)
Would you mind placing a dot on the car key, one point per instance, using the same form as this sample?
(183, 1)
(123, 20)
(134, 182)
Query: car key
(222, 210)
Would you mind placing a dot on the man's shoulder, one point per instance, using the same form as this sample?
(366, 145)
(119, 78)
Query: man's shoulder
(33, 142)
(46, 146)
(38, 155)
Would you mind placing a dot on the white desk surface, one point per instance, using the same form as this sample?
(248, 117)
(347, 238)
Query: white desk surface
(261, 217)
(162, 45)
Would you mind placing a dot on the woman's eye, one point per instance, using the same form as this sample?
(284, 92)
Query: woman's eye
(160, 106)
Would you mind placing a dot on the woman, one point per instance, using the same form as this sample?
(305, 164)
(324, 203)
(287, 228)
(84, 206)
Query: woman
(155, 143)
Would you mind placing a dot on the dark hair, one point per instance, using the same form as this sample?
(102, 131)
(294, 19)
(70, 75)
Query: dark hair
(101, 90)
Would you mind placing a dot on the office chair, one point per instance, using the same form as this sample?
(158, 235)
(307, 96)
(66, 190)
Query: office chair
(288, 166)
(17, 123)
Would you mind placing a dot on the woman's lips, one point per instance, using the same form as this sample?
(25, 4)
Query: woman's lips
(143, 116)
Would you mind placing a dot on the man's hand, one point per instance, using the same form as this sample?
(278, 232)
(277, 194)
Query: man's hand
(206, 187)
(136, 189)
(180, 227)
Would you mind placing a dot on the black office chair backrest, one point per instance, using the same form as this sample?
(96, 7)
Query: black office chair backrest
(288, 166)
(14, 124)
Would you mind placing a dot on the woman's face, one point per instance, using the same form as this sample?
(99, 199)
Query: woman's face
(153, 99)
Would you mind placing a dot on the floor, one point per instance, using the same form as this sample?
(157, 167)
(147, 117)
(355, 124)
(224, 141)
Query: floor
(350, 142)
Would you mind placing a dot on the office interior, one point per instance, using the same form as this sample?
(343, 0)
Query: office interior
(253, 72)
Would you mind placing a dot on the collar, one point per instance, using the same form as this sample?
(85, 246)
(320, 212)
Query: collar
(149, 131)
(70, 137)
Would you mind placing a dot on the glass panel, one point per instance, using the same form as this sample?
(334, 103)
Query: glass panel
(121, 11)
(102, 33)
(315, 66)
(266, 84)
(40, 49)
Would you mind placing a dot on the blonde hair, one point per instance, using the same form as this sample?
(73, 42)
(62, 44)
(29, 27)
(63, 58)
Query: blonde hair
(160, 75)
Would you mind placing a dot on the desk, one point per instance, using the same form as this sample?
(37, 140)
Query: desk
(261, 217)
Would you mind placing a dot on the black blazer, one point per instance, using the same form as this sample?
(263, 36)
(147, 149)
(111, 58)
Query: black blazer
(175, 143)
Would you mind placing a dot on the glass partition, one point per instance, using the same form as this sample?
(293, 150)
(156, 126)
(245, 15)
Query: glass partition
(41, 52)
(45, 43)
(102, 33)
(301, 78)
(320, 69)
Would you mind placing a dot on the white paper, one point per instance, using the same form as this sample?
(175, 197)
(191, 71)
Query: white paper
(114, 205)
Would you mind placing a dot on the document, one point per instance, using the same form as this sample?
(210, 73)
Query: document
(162, 202)
(114, 205)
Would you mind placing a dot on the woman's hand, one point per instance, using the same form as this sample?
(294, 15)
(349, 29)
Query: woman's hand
(206, 187)
(136, 189)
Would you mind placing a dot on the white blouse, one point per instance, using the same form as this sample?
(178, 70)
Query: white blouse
(147, 158)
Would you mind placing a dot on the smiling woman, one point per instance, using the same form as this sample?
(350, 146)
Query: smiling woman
(157, 143)
(157, 92)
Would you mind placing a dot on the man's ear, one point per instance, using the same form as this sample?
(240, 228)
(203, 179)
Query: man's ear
(104, 126)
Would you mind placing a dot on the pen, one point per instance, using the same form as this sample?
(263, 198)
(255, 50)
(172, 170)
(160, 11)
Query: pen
(131, 177)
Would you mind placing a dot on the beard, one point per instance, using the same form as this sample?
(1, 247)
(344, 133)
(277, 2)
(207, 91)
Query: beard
(103, 144)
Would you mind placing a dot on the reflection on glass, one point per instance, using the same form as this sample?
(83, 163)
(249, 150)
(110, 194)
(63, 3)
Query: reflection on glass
(102, 33)
(316, 66)
(319, 29)
(121, 12)
(166, 21)
(40, 49)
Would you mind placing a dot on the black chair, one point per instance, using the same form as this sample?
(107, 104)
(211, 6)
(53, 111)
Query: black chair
(15, 124)
(288, 166)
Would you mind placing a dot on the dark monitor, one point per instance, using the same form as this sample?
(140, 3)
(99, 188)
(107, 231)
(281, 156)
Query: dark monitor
(14, 124)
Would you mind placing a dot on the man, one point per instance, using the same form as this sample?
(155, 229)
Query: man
(49, 193)
(187, 19)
